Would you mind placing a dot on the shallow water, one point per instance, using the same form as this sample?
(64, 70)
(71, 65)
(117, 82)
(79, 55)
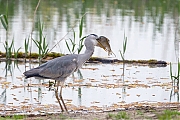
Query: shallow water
(99, 85)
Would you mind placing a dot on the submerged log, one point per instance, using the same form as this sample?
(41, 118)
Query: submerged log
(109, 61)
(34, 58)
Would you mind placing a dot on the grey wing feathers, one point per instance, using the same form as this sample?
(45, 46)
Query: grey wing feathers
(57, 68)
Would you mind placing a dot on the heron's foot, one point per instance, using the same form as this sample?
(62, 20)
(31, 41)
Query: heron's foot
(63, 103)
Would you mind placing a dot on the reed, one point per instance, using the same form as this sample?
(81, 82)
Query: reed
(122, 53)
(175, 77)
(72, 45)
(41, 43)
(9, 49)
(4, 21)
(16, 53)
(72, 42)
(26, 46)
(175, 82)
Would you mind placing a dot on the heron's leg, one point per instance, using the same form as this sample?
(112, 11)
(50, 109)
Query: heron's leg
(57, 97)
(62, 83)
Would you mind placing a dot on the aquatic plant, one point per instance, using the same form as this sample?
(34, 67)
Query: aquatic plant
(16, 52)
(41, 43)
(175, 81)
(26, 46)
(71, 50)
(175, 78)
(4, 18)
(80, 35)
(73, 41)
(122, 53)
(4, 21)
(9, 49)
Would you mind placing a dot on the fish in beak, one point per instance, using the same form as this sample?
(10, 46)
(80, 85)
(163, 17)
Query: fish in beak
(103, 42)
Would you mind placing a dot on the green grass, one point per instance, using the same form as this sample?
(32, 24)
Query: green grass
(139, 112)
(62, 117)
(14, 117)
(119, 115)
(169, 115)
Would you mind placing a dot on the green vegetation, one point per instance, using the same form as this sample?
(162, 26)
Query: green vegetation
(124, 48)
(16, 53)
(139, 112)
(175, 81)
(4, 21)
(169, 115)
(41, 43)
(73, 41)
(175, 78)
(14, 117)
(118, 116)
(9, 49)
(26, 47)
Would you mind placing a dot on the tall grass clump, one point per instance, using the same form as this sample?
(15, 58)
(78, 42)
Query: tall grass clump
(9, 49)
(41, 42)
(72, 45)
(16, 52)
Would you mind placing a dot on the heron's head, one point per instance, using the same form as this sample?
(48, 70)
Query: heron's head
(101, 42)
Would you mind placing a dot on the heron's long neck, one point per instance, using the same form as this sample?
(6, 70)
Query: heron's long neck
(86, 55)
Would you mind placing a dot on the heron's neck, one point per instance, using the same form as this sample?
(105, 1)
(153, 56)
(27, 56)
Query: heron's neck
(86, 55)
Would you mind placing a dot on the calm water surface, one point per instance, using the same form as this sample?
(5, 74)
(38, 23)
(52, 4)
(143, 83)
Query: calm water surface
(100, 85)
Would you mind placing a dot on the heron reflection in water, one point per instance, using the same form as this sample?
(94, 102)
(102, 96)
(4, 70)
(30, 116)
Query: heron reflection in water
(60, 68)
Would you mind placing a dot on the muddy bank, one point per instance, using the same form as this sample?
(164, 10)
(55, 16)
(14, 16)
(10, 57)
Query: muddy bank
(130, 111)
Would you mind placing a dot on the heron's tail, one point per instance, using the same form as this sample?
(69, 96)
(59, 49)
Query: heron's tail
(32, 73)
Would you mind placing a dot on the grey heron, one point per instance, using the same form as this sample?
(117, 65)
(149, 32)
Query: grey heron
(60, 68)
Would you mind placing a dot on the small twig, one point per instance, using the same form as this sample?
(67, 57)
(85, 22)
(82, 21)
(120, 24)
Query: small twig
(65, 35)
(33, 28)
(35, 15)
(60, 40)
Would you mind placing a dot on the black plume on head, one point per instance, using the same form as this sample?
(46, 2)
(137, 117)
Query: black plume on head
(94, 35)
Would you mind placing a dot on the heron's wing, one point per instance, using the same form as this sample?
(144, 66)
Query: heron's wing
(60, 67)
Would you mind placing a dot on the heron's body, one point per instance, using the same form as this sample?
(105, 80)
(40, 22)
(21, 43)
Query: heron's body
(62, 67)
